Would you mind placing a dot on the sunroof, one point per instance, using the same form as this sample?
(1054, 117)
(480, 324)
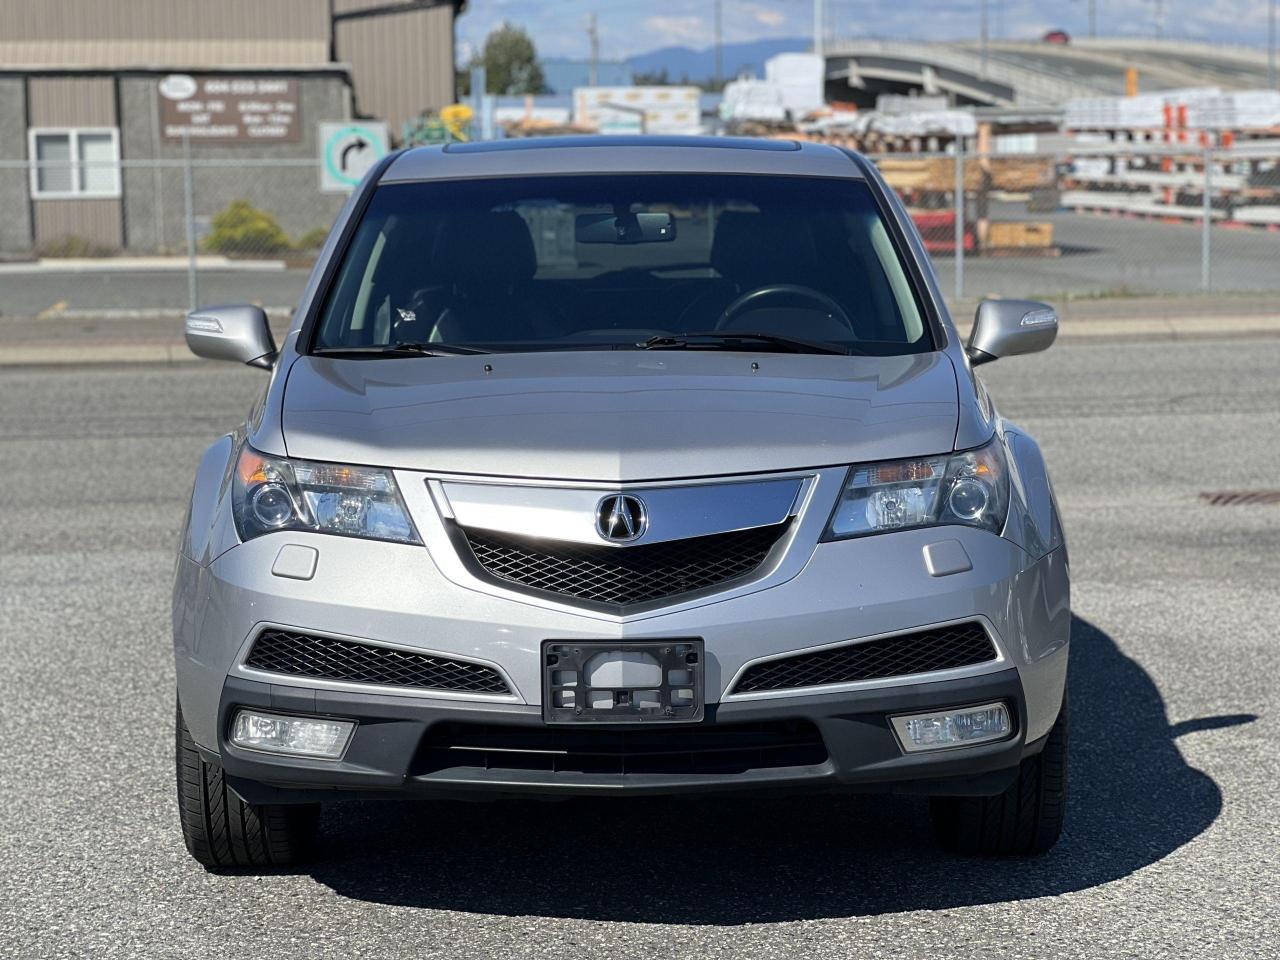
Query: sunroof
(546, 143)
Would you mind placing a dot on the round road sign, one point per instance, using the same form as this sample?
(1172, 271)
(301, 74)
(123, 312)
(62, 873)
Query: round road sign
(349, 150)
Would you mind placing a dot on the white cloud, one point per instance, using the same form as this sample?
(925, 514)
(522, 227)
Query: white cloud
(677, 30)
(629, 27)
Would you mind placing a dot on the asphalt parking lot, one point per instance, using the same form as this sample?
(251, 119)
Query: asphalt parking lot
(1173, 838)
(1101, 256)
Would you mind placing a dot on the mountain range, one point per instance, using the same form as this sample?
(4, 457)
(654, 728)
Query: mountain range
(699, 65)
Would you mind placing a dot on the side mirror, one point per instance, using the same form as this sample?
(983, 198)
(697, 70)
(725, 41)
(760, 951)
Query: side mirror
(237, 332)
(1006, 328)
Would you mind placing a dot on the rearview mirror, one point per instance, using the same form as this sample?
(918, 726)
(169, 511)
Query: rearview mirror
(627, 228)
(237, 332)
(1006, 328)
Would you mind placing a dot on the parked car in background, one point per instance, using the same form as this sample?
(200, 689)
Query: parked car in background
(618, 466)
(1057, 36)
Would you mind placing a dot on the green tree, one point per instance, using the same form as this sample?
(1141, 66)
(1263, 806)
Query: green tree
(510, 62)
(651, 78)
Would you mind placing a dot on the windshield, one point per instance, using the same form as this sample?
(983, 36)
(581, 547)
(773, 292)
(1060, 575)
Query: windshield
(615, 261)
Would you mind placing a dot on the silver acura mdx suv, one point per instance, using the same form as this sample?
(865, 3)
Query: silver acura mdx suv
(618, 466)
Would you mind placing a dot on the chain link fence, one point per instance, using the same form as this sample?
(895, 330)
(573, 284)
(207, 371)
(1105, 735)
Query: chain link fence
(152, 237)
(1106, 223)
(1107, 226)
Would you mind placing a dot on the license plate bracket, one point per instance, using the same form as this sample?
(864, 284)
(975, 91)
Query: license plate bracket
(608, 681)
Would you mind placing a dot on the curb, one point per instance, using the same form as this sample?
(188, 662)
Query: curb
(174, 315)
(63, 354)
(1176, 328)
(174, 351)
(138, 265)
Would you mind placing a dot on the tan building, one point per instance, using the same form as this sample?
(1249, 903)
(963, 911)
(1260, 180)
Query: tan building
(87, 86)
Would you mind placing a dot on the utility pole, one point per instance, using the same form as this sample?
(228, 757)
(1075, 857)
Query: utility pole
(594, 36)
(1271, 45)
(719, 53)
(982, 38)
(1159, 19)
(1093, 19)
(819, 28)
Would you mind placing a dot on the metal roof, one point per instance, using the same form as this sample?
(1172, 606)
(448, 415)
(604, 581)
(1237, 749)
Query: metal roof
(620, 154)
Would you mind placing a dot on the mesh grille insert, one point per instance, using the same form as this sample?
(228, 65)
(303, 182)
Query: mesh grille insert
(943, 648)
(303, 655)
(622, 575)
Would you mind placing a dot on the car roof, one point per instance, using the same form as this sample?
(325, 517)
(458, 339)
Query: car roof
(540, 156)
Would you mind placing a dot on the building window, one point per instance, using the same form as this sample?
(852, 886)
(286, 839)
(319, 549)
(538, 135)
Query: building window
(81, 162)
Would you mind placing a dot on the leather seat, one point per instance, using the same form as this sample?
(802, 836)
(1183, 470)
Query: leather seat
(752, 250)
(755, 249)
(489, 260)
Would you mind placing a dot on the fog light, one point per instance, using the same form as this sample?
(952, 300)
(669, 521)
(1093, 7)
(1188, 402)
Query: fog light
(952, 728)
(296, 736)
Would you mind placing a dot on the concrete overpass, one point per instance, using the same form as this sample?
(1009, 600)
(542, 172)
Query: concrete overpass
(1021, 73)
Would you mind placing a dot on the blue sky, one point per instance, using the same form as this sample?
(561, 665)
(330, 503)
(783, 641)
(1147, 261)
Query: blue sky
(636, 26)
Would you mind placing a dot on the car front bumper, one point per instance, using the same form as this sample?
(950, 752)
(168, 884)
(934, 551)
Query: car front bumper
(397, 595)
(392, 747)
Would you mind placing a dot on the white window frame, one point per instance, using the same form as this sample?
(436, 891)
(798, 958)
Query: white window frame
(77, 191)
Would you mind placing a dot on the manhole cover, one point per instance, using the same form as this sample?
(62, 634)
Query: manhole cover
(1240, 498)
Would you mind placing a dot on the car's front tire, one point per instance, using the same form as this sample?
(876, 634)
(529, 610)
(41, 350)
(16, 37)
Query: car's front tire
(1024, 820)
(222, 831)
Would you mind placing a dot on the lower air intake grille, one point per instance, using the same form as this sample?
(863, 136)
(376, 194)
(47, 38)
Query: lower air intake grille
(622, 575)
(304, 655)
(730, 748)
(942, 648)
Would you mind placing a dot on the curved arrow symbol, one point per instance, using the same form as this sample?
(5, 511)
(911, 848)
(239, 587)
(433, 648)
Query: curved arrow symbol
(343, 149)
(359, 144)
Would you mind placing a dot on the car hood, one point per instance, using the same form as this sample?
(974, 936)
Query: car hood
(619, 415)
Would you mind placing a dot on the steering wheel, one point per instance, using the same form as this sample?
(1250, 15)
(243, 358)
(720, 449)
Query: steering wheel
(752, 298)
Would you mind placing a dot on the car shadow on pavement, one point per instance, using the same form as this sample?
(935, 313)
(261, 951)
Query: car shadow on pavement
(683, 860)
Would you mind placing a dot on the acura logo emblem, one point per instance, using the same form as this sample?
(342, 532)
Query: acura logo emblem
(621, 518)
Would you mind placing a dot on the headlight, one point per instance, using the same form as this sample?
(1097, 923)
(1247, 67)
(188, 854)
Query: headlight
(274, 493)
(970, 488)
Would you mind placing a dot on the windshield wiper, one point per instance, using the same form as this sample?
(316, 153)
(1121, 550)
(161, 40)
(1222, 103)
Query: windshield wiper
(401, 348)
(715, 340)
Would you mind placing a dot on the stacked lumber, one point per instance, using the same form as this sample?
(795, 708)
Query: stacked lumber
(1015, 174)
(1019, 235)
(933, 174)
(1022, 174)
(541, 127)
(1236, 110)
